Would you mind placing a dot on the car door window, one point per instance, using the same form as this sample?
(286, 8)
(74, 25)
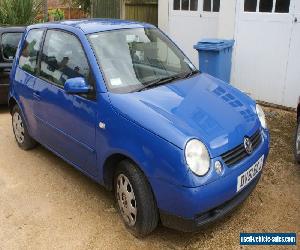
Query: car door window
(30, 52)
(10, 43)
(62, 58)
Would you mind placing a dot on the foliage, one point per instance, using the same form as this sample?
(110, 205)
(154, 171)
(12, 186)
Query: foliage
(19, 12)
(56, 14)
(84, 4)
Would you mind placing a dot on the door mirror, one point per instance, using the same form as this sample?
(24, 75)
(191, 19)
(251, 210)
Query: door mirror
(76, 85)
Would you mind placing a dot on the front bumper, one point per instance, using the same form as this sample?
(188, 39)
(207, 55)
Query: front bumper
(193, 207)
(205, 218)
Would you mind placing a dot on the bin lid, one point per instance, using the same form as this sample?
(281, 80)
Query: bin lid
(214, 44)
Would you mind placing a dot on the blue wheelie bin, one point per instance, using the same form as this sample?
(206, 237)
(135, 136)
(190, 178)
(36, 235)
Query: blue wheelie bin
(215, 57)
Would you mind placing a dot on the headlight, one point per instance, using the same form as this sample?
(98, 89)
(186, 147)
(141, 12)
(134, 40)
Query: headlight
(261, 116)
(197, 157)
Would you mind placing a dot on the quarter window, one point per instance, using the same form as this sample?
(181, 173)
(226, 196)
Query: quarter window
(185, 5)
(31, 48)
(211, 5)
(250, 5)
(282, 6)
(207, 5)
(216, 7)
(271, 6)
(176, 4)
(63, 58)
(194, 5)
(265, 5)
(10, 43)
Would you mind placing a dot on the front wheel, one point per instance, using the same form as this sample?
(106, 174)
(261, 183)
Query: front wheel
(20, 131)
(297, 144)
(135, 199)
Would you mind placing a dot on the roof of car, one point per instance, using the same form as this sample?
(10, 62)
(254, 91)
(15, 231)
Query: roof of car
(96, 25)
(12, 29)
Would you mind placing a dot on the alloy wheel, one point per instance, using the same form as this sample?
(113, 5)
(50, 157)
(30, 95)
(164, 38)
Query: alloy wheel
(126, 200)
(18, 127)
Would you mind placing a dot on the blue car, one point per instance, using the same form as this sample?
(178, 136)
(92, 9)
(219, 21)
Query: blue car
(120, 102)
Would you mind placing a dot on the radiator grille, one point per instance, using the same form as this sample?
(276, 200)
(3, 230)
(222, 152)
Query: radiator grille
(239, 153)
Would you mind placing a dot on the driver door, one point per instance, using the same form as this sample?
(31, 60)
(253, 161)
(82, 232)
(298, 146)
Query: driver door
(66, 123)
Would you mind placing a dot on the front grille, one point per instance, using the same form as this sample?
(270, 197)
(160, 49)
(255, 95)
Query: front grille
(239, 153)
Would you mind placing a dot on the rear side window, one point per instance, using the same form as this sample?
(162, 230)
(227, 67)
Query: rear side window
(63, 57)
(10, 43)
(30, 52)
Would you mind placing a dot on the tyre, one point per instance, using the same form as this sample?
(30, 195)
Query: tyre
(20, 131)
(135, 199)
(297, 143)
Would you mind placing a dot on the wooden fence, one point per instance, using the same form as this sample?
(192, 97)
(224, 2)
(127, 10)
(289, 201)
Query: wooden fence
(139, 10)
(144, 11)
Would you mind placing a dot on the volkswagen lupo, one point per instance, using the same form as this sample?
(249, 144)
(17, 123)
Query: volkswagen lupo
(120, 101)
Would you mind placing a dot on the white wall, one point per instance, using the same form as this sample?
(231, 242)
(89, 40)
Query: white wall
(227, 19)
(163, 15)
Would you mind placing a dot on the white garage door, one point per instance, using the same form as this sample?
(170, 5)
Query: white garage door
(192, 20)
(267, 52)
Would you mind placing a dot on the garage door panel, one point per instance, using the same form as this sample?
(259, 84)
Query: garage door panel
(192, 23)
(188, 30)
(262, 52)
(261, 59)
(292, 88)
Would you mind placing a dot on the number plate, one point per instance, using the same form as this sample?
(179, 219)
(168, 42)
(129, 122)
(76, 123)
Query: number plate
(245, 178)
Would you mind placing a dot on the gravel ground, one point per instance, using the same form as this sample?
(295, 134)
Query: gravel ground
(46, 204)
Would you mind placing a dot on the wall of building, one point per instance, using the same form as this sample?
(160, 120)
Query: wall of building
(266, 54)
(227, 19)
(163, 15)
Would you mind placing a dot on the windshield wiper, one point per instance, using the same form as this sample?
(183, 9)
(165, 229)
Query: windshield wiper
(162, 81)
(158, 82)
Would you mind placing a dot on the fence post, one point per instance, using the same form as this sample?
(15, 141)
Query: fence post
(45, 5)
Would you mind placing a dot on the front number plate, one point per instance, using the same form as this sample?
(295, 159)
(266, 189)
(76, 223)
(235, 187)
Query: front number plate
(245, 178)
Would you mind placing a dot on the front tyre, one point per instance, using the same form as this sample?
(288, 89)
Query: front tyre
(20, 130)
(135, 199)
(297, 144)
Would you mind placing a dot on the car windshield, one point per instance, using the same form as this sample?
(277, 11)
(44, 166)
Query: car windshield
(10, 43)
(133, 59)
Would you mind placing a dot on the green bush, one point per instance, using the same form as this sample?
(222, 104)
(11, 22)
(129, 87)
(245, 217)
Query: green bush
(19, 12)
(57, 14)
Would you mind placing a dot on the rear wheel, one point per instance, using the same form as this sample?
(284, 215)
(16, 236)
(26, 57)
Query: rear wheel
(135, 199)
(20, 131)
(297, 144)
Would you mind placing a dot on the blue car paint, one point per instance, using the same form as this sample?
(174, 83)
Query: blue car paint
(150, 127)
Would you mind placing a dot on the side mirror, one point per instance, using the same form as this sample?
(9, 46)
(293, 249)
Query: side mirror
(76, 85)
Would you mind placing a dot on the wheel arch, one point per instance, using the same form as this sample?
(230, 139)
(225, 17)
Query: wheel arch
(11, 103)
(110, 166)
